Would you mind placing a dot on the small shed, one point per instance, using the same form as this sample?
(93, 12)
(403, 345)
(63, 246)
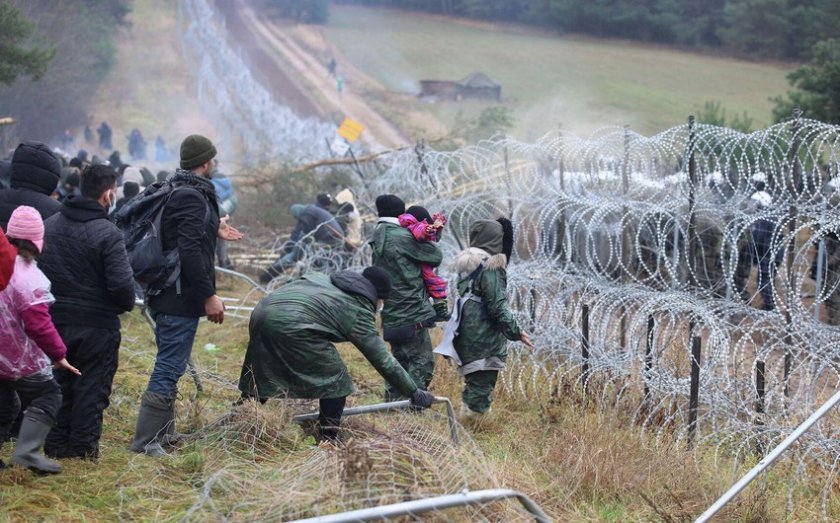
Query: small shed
(476, 85)
(479, 85)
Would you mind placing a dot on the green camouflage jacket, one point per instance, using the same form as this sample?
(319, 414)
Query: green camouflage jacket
(485, 327)
(292, 332)
(397, 252)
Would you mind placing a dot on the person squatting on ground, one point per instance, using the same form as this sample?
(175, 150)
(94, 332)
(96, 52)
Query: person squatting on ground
(291, 351)
(87, 264)
(427, 228)
(408, 313)
(29, 347)
(191, 225)
(486, 321)
(312, 220)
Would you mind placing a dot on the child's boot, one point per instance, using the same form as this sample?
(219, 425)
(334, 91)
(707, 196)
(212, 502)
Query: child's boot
(33, 432)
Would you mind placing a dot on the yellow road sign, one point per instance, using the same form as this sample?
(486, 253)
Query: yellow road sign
(350, 130)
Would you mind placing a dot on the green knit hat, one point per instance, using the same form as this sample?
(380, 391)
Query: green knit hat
(487, 235)
(196, 150)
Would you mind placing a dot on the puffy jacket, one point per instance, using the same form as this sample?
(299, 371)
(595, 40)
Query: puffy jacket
(397, 252)
(183, 227)
(84, 257)
(485, 327)
(34, 177)
(291, 351)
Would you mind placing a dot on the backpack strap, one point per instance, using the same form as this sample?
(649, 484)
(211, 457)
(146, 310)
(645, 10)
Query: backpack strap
(175, 277)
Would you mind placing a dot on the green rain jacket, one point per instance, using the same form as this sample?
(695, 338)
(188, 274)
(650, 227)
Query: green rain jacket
(485, 326)
(293, 329)
(397, 252)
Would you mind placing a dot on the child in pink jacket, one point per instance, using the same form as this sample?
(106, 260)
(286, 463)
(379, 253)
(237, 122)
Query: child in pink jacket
(29, 346)
(427, 228)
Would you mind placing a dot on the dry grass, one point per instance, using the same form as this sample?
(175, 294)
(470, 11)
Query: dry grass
(577, 463)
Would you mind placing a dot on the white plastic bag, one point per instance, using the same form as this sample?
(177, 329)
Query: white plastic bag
(450, 330)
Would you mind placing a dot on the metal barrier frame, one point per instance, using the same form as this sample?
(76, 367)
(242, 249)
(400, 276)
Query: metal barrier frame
(768, 460)
(393, 405)
(419, 506)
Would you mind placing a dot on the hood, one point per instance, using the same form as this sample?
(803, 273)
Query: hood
(487, 235)
(34, 167)
(354, 283)
(469, 259)
(132, 174)
(297, 210)
(81, 209)
(345, 196)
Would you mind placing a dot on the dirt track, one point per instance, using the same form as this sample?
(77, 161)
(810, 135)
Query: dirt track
(312, 92)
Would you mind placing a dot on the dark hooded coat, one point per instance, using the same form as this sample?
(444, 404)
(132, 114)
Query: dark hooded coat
(34, 177)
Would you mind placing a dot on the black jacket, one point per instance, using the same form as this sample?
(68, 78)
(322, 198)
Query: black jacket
(34, 176)
(85, 260)
(183, 227)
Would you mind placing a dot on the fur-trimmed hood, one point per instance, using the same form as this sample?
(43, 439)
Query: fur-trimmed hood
(469, 259)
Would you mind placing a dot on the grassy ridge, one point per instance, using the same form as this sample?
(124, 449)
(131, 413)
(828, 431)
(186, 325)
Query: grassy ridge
(580, 83)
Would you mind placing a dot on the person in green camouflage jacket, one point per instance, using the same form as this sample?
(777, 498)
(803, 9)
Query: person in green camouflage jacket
(486, 320)
(291, 351)
(408, 313)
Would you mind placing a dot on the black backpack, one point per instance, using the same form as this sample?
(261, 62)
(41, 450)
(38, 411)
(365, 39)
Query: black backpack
(139, 220)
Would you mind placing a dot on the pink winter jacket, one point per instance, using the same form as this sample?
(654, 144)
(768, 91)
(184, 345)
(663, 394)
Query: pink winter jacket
(29, 342)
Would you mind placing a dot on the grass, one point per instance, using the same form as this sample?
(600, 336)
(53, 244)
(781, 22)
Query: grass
(579, 83)
(577, 462)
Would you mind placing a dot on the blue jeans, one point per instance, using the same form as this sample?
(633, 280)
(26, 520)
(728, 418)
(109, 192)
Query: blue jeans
(174, 336)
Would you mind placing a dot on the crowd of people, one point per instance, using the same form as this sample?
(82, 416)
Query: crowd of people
(68, 270)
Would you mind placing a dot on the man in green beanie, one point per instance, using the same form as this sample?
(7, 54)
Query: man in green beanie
(190, 224)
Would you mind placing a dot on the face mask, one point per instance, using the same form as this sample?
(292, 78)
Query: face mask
(113, 200)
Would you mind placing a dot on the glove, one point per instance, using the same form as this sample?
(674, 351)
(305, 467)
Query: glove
(422, 398)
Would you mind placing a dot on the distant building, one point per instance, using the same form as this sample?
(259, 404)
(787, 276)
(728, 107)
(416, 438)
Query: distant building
(476, 85)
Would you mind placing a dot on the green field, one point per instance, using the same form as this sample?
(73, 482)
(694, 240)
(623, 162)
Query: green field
(581, 84)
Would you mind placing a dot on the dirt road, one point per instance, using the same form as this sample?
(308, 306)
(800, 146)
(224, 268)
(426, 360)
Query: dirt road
(279, 58)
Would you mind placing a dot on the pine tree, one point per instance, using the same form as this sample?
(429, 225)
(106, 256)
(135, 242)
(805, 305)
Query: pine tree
(15, 59)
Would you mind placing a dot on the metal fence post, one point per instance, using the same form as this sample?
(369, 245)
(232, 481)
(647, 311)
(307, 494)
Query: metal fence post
(759, 402)
(584, 346)
(648, 354)
(694, 393)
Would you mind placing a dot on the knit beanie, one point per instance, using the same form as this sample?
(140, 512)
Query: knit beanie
(380, 280)
(389, 206)
(196, 150)
(26, 224)
(487, 235)
(297, 210)
(420, 213)
(324, 200)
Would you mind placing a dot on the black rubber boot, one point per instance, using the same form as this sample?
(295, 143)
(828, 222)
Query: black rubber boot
(153, 420)
(33, 432)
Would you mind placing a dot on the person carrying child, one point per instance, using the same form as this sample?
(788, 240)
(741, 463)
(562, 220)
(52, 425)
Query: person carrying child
(29, 346)
(428, 228)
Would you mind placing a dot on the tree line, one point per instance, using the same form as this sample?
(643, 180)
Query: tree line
(53, 57)
(780, 29)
